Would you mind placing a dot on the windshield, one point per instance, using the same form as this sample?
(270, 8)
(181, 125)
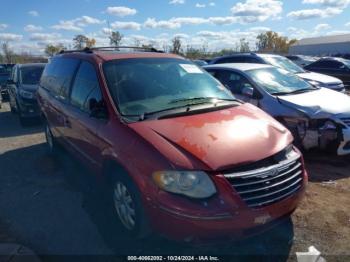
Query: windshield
(346, 62)
(277, 80)
(30, 75)
(284, 63)
(145, 85)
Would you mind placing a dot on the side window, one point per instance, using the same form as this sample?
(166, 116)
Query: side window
(233, 81)
(231, 60)
(251, 60)
(58, 75)
(322, 64)
(85, 87)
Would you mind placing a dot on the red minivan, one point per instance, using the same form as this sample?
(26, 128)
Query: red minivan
(182, 156)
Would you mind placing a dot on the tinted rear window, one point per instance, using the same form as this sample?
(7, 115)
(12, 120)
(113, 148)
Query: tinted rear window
(58, 75)
(30, 75)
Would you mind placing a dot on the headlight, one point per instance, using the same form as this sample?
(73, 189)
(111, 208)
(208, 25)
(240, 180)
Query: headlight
(195, 184)
(26, 94)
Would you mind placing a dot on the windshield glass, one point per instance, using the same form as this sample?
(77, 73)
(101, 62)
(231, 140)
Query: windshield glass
(284, 63)
(277, 80)
(346, 62)
(145, 85)
(30, 75)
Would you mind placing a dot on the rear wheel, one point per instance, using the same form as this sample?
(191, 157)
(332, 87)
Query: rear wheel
(128, 206)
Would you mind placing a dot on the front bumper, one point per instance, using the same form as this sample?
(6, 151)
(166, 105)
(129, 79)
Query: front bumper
(224, 218)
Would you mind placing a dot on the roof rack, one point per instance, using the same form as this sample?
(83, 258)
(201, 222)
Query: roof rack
(111, 48)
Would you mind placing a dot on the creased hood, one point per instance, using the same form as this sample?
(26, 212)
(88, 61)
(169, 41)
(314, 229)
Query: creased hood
(219, 139)
(320, 103)
(320, 78)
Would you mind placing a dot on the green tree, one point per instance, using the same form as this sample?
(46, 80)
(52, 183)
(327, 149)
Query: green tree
(51, 50)
(272, 42)
(80, 41)
(115, 38)
(244, 45)
(177, 45)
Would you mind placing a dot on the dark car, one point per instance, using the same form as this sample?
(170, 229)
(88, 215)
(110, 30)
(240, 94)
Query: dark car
(333, 66)
(179, 154)
(22, 87)
(319, 80)
(5, 73)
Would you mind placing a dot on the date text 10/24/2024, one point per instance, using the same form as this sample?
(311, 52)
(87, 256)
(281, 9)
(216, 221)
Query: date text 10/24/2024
(173, 258)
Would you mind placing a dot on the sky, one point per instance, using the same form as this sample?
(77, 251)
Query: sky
(28, 26)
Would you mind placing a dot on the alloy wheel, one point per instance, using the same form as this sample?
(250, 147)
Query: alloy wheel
(124, 205)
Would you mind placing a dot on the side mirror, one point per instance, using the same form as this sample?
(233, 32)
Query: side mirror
(97, 109)
(248, 91)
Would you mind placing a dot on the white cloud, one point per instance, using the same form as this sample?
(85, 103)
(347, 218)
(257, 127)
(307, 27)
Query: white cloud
(329, 3)
(67, 26)
(177, 2)
(121, 11)
(76, 24)
(212, 4)
(260, 29)
(106, 31)
(3, 26)
(338, 32)
(33, 13)
(153, 23)
(198, 5)
(314, 13)
(8, 37)
(322, 27)
(347, 24)
(178, 22)
(32, 28)
(189, 20)
(257, 10)
(44, 37)
(223, 20)
(87, 20)
(126, 25)
(181, 35)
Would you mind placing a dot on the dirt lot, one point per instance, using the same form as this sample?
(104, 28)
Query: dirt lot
(54, 207)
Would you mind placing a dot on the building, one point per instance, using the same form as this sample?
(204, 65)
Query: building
(322, 46)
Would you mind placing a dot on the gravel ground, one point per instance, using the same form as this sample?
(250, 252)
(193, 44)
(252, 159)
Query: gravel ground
(56, 207)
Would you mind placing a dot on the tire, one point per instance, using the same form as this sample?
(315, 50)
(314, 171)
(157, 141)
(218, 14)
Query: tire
(128, 207)
(50, 141)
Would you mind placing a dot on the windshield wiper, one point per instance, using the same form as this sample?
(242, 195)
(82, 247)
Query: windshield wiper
(190, 103)
(202, 98)
(299, 91)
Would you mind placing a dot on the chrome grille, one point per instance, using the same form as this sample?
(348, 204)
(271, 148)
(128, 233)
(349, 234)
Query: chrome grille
(346, 120)
(265, 186)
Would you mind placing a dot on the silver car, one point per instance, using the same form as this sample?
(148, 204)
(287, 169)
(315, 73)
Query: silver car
(317, 117)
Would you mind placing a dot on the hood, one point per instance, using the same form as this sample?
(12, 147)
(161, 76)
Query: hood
(321, 103)
(30, 88)
(325, 79)
(220, 139)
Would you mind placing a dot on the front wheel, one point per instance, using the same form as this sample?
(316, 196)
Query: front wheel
(128, 206)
